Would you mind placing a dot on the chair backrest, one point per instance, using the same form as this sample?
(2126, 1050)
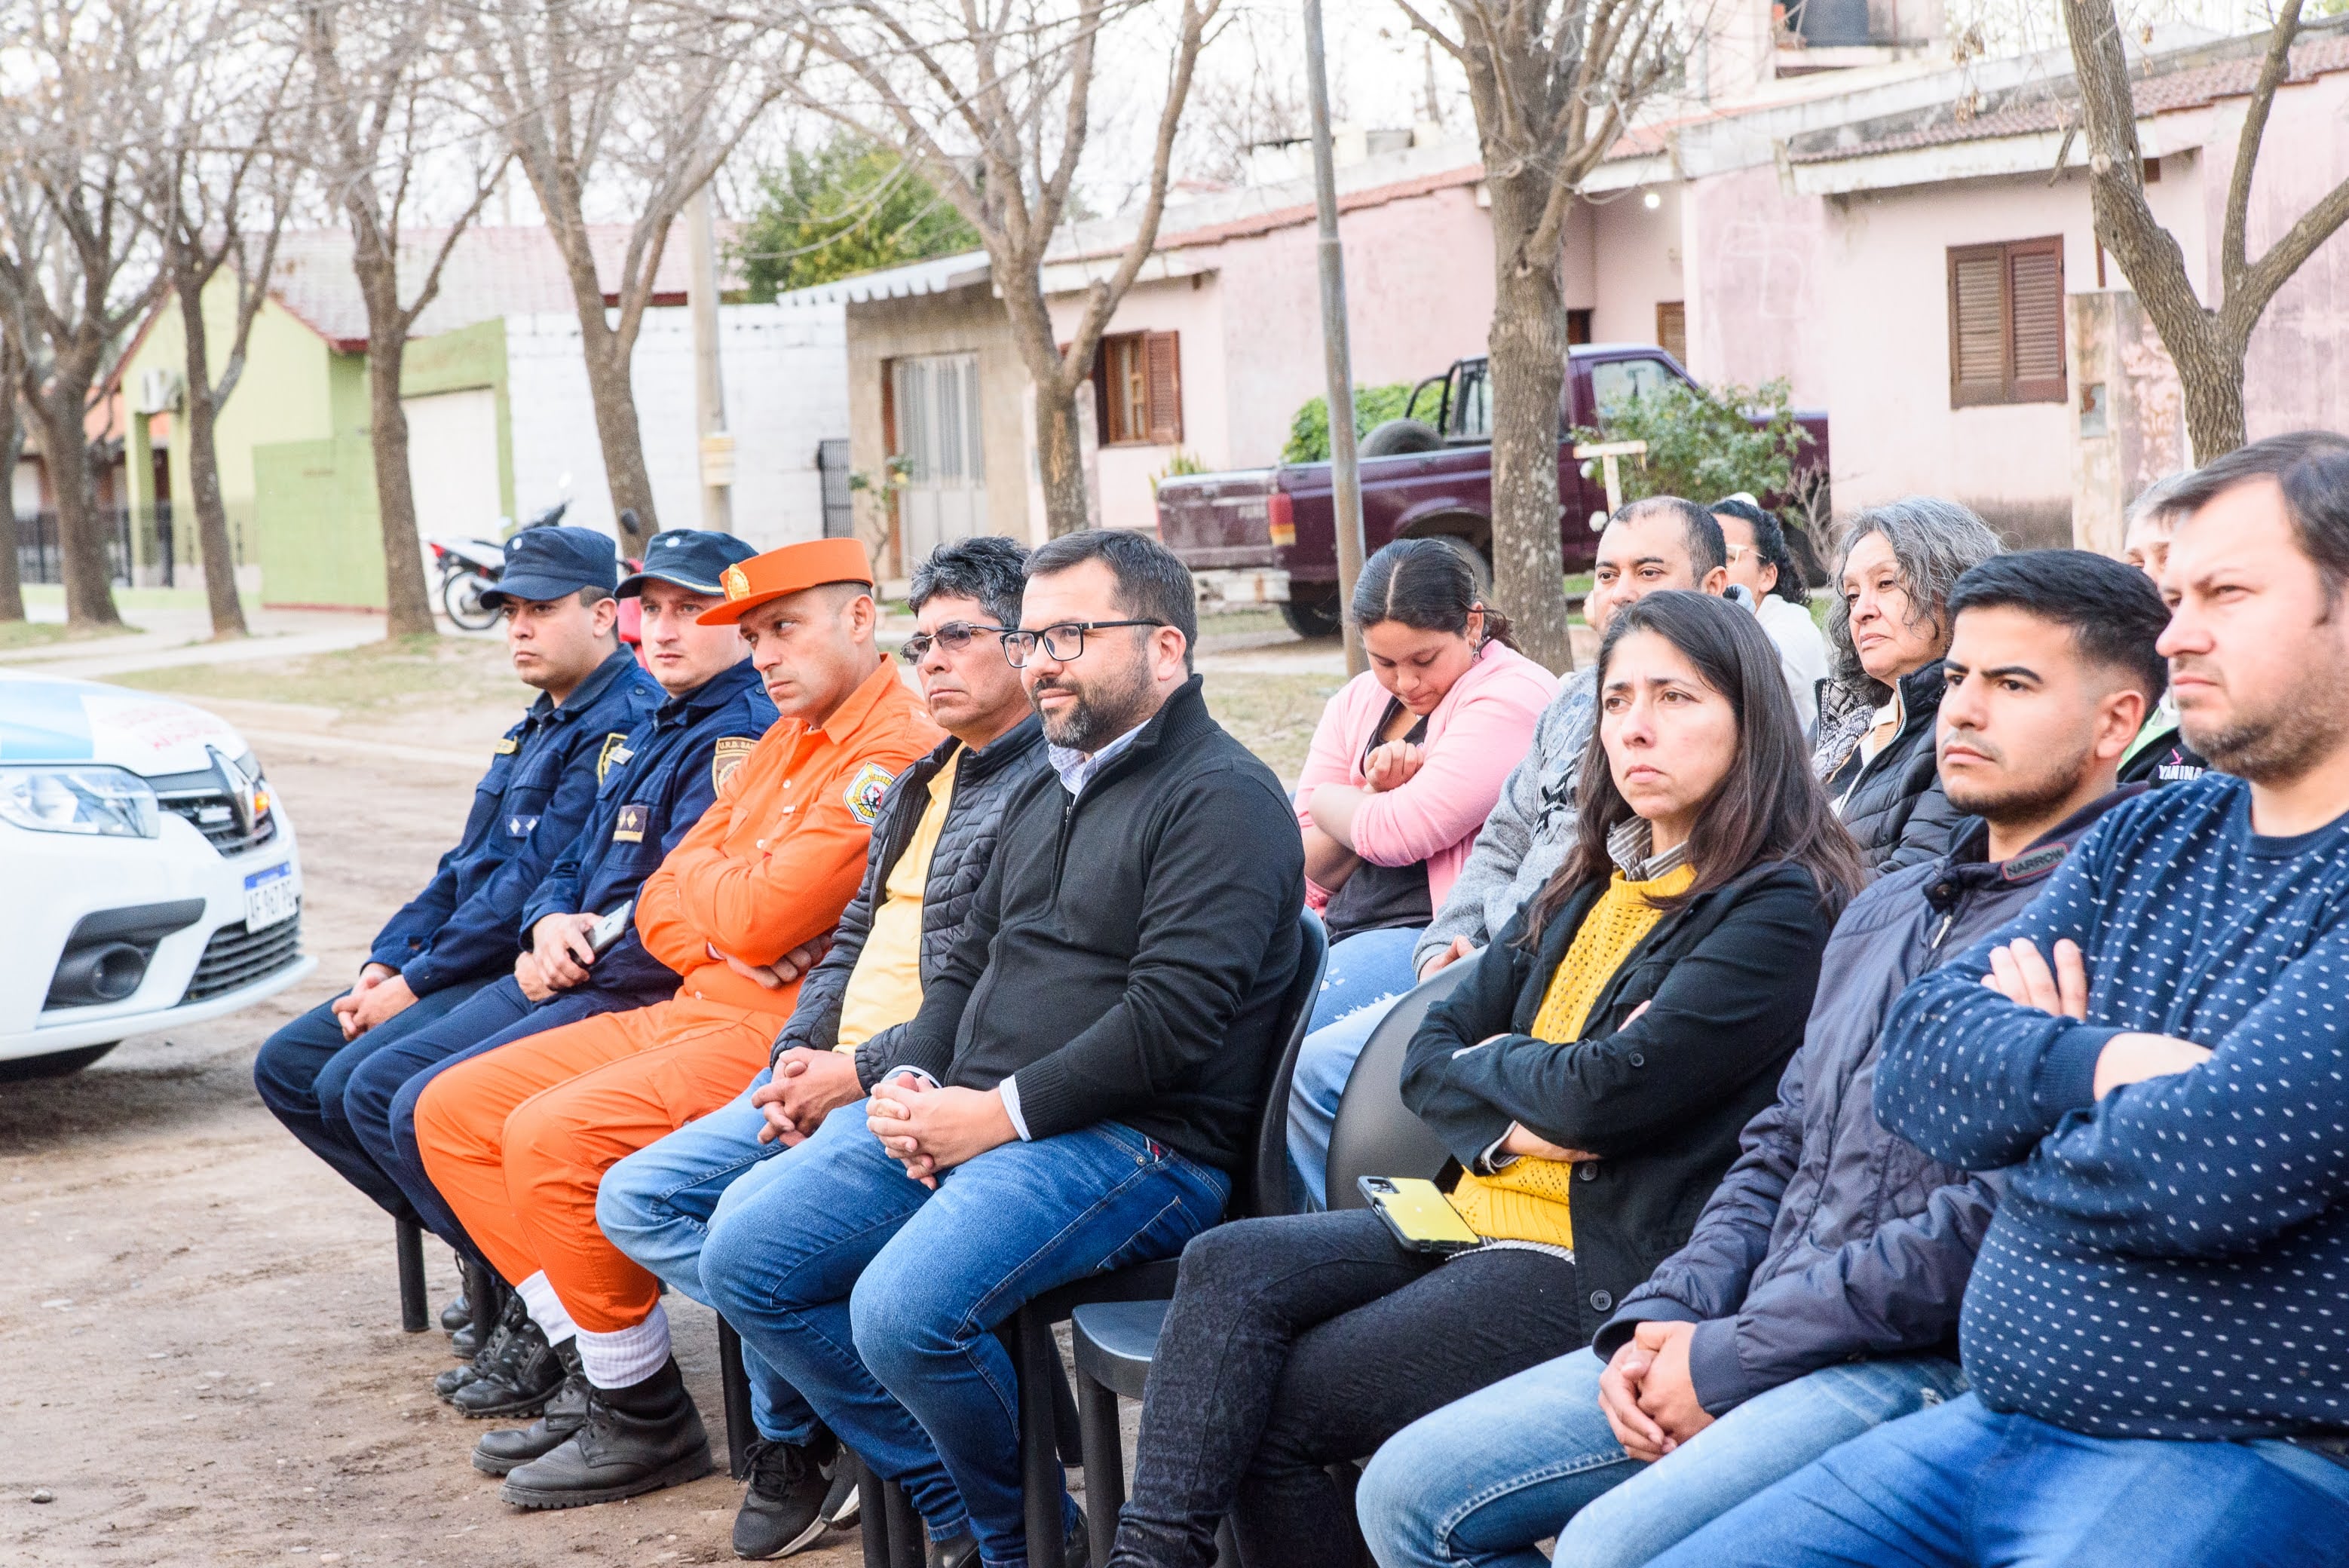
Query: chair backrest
(1376, 1134)
(1265, 1190)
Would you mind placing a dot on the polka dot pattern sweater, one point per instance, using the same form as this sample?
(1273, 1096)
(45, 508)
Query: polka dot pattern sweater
(2172, 1262)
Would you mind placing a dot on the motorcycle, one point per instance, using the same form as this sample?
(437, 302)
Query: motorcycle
(469, 568)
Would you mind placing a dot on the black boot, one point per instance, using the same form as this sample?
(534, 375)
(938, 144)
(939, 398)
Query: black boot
(566, 1412)
(784, 1508)
(517, 1377)
(962, 1550)
(514, 1316)
(456, 1315)
(465, 1341)
(636, 1439)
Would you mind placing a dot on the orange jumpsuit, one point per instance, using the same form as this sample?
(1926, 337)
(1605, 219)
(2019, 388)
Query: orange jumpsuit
(517, 1141)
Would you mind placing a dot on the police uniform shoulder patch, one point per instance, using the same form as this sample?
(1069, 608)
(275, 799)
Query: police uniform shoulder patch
(866, 792)
(506, 747)
(628, 827)
(614, 752)
(727, 755)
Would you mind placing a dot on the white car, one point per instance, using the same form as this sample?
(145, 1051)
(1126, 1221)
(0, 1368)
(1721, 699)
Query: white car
(152, 879)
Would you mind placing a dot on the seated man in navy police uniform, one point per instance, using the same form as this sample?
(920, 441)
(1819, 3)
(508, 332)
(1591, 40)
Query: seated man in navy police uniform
(460, 933)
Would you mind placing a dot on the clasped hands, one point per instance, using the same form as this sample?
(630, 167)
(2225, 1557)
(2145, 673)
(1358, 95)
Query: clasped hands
(381, 992)
(2019, 973)
(930, 1129)
(1646, 1393)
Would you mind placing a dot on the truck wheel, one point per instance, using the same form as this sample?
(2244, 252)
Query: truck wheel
(1394, 438)
(55, 1064)
(1316, 617)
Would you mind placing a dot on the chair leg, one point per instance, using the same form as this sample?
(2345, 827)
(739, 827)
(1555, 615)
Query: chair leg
(1041, 1478)
(414, 1309)
(734, 1379)
(1103, 1457)
(908, 1541)
(872, 1513)
(1068, 1432)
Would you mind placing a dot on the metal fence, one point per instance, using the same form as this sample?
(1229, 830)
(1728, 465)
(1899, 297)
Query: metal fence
(138, 545)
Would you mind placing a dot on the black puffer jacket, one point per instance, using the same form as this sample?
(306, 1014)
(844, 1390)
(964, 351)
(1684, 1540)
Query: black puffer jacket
(1831, 1237)
(1893, 805)
(1659, 1099)
(987, 779)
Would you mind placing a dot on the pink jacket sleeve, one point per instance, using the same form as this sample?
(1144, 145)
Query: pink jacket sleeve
(1476, 736)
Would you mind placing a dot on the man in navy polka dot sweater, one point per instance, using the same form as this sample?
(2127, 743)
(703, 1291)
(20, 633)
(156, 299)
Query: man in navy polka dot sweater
(2158, 1048)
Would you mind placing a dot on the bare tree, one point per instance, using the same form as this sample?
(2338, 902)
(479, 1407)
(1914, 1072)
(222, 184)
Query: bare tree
(623, 95)
(11, 447)
(1554, 83)
(992, 99)
(76, 265)
(2207, 343)
(375, 129)
(219, 192)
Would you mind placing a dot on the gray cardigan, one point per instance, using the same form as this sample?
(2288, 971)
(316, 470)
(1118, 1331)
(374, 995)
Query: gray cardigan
(1531, 827)
(1832, 1238)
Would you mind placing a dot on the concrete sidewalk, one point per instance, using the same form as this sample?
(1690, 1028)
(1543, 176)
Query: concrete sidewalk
(170, 634)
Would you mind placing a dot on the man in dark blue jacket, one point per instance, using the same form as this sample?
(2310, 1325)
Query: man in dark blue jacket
(461, 932)
(1818, 1294)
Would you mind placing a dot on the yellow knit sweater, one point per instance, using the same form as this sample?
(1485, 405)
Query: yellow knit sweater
(1525, 1201)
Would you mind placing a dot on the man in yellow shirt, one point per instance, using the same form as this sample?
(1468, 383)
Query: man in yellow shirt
(931, 845)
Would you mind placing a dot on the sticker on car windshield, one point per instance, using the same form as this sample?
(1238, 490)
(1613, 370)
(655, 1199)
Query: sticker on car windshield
(271, 896)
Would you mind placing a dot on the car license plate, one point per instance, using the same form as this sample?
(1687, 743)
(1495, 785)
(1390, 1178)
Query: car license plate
(271, 896)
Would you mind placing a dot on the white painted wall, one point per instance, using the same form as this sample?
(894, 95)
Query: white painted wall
(786, 373)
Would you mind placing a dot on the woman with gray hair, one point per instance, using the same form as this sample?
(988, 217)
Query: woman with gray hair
(1888, 626)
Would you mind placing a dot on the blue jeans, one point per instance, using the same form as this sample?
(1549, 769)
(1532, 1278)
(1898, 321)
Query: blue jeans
(877, 1298)
(1482, 1479)
(303, 1069)
(379, 1097)
(1963, 1485)
(1366, 973)
(658, 1205)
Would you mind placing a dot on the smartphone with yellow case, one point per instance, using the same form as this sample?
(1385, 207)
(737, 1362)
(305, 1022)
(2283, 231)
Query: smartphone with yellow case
(1421, 1218)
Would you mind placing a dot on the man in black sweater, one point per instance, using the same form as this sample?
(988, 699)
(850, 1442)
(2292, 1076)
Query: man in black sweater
(1083, 1077)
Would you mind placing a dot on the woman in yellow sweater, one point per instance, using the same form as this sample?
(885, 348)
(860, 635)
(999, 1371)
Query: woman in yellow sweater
(1590, 1075)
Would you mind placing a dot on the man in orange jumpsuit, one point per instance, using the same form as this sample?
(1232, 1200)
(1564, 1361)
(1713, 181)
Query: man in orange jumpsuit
(518, 1140)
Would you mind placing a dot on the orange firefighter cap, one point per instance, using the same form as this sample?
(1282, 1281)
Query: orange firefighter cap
(793, 569)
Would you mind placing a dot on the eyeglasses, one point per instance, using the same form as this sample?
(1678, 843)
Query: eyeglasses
(954, 637)
(1738, 553)
(1064, 642)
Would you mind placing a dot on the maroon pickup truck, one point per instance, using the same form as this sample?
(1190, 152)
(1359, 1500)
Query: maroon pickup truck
(1267, 534)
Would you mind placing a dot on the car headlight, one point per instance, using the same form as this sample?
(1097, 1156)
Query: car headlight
(103, 802)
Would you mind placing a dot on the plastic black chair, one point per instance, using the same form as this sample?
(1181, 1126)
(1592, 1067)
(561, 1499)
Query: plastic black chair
(1375, 1133)
(1116, 1341)
(415, 1310)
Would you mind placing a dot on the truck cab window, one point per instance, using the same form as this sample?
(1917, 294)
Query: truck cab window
(1614, 382)
(1472, 406)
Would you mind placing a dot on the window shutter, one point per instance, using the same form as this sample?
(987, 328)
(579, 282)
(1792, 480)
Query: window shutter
(2036, 295)
(1672, 328)
(1977, 325)
(1165, 355)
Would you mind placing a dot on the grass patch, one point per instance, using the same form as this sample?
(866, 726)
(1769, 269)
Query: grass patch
(30, 634)
(1240, 622)
(1272, 715)
(138, 598)
(453, 671)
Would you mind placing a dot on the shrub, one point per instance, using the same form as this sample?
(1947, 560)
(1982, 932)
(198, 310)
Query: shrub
(1309, 432)
(1707, 442)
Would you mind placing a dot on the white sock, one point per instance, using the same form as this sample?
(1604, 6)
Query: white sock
(546, 1309)
(626, 1356)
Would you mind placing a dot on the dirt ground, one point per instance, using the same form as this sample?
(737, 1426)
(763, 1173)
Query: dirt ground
(203, 1321)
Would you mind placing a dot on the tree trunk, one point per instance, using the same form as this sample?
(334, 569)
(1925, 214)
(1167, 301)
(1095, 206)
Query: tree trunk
(608, 387)
(81, 538)
(1527, 348)
(1060, 459)
(212, 547)
(11, 447)
(2212, 376)
(407, 601)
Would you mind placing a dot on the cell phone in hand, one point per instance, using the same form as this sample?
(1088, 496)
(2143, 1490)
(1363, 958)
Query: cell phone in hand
(610, 929)
(1418, 1214)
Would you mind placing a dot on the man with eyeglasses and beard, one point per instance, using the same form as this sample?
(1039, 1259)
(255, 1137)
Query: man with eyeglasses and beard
(1082, 1080)
(931, 847)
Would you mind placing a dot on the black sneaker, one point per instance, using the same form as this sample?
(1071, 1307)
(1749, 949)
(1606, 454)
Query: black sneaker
(516, 1378)
(840, 1502)
(962, 1550)
(508, 1448)
(783, 1510)
(635, 1441)
(513, 1315)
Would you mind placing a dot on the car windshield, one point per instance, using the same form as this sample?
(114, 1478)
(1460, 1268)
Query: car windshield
(1615, 382)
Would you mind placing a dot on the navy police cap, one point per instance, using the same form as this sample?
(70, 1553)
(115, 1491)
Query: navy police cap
(692, 558)
(544, 563)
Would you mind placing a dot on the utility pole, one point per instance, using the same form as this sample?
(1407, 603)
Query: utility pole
(709, 386)
(1345, 469)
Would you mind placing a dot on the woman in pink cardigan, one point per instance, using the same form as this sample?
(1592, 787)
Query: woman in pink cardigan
(1406, 764)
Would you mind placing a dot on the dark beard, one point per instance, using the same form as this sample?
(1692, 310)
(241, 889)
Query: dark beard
(2025, 799)
(1094, 719)
(2281, 745)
